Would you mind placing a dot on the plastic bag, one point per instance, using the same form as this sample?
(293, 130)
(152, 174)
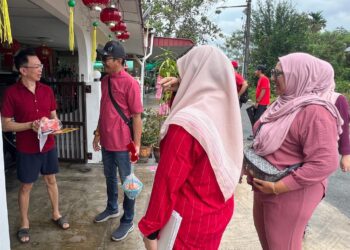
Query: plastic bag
(132, 186)
(48, 126)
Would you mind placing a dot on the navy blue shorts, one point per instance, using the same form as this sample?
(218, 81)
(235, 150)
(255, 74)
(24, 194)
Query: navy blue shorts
(30, 165)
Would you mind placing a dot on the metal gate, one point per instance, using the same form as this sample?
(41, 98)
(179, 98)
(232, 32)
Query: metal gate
(71, 110)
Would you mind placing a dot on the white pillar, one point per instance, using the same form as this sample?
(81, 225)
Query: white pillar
(92, 114)
(4, 224)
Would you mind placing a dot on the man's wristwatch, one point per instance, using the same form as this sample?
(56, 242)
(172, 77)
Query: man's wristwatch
(96, 133)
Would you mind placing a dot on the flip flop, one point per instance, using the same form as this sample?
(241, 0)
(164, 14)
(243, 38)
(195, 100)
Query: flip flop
(61, 221)
(22, 233)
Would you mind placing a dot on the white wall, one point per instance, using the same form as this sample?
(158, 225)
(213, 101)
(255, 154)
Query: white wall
(4, 225)
(92, 114)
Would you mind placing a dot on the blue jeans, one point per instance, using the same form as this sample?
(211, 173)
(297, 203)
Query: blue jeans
(111, 161)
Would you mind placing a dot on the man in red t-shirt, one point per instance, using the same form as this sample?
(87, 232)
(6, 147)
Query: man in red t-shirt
(113, 134)
(241, 83)
(25, 103)
(262, 94)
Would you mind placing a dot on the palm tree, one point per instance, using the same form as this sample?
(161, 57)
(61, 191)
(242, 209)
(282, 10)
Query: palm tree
(317, 21)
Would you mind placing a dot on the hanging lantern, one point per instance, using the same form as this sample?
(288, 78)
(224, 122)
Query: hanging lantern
(8, 51)
(110, 16)
(124, 36)
(96, 5)
(44, 53)
(119, 28)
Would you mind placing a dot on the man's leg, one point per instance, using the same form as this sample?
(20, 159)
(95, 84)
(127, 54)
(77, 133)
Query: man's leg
(110, 172)
(126, 222)
(28, 168)
(23, 202)
(52, 190)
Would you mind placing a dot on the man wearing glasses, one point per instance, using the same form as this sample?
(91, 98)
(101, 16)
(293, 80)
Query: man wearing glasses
(113, 134)
(25, 103)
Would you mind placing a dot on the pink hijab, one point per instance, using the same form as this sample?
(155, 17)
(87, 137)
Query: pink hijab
(305, 76)
(327, 84)
(206, 106)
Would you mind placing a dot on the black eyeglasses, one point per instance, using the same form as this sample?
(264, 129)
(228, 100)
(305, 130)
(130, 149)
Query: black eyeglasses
(106, 58)
(276, 73)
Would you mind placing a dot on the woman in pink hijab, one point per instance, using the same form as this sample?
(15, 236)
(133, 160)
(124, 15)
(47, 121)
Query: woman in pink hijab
(326, 90)
(201, 154)
(299, 127)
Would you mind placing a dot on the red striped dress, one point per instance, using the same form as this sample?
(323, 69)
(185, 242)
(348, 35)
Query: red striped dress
(185, 182)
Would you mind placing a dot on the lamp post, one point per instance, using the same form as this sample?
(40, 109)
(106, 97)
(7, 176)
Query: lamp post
(246, 33)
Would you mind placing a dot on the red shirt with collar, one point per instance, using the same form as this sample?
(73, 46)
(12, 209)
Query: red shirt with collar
(24, 106)
(114, 132)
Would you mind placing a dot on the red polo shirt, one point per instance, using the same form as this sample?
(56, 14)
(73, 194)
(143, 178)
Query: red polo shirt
(24, 106)
(115, 134)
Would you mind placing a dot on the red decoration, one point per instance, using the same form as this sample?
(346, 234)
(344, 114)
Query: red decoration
(124, 36)
(8, 52)
(119, 28)
(110, 16)
(44, 53)
(97, 5)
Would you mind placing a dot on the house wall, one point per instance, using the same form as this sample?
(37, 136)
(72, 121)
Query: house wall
(4, 225)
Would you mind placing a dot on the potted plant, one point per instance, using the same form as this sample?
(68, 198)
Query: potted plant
(150, 133)
(167, 67)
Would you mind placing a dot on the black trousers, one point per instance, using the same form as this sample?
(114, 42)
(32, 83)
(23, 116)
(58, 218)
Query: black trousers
(258, 112)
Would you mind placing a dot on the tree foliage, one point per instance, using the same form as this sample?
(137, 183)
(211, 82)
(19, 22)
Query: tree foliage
(277, 29)
(234, 45)
(183, 19)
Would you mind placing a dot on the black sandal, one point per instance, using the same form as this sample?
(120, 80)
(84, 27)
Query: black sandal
(61, 221)
(23, 233)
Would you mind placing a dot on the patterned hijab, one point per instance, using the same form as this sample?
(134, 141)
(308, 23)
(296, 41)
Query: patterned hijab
(206, 106)
(304, 76)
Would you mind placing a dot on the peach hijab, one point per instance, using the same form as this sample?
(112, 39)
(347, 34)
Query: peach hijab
(306, 78)
(206, 106)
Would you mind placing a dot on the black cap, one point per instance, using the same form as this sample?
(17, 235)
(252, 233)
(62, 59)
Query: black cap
(114, 49)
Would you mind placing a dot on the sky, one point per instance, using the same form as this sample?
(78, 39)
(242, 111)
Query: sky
(336, 12)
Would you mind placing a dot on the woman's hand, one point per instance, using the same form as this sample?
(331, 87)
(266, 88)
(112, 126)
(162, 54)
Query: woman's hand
(266, 187)
(269, 187)
(150, 244)
(170, 83)
(345, 163)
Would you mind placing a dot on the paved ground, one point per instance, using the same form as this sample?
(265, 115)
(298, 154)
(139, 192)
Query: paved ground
(83, 196)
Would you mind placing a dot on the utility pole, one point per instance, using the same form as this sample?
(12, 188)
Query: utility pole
(247, 39)
(246, 33)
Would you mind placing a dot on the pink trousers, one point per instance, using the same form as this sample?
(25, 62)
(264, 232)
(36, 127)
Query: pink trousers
(280, 220)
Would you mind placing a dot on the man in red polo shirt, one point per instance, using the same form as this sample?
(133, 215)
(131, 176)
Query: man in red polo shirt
(113, 134)
(25, 103)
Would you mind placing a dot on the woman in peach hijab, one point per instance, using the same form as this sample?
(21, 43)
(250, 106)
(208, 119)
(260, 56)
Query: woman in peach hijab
(201, 154)
(299, 127)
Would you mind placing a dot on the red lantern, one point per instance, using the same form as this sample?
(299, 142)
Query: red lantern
(124, 36)
(110, 16)
(45, 55)
(8, 52)
(119, 28)
(97, 5)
